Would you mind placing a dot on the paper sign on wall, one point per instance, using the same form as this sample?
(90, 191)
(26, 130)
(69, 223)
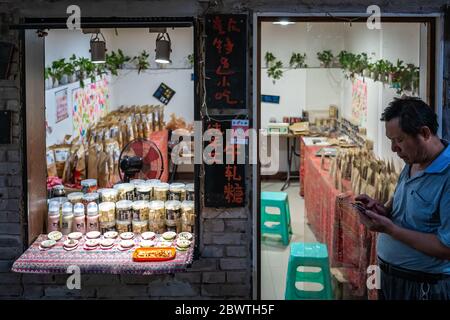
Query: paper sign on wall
(240, 132)
(164, 93)
(62, 109)
(359, 101)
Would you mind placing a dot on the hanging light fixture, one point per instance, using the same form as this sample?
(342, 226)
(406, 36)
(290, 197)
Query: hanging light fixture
(98, 48)
(163, 48)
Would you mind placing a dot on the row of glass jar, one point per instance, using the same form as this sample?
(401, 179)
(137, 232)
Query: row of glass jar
(146, 190)
(158, 215)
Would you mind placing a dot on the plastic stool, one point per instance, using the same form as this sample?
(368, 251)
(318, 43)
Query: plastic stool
(277, 200)
(308, 255)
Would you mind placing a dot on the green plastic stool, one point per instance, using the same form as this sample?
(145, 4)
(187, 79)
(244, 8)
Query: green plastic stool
(278, 200)
(308, 255)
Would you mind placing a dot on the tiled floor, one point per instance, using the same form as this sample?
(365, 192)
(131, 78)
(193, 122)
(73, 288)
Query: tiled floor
(275, 256)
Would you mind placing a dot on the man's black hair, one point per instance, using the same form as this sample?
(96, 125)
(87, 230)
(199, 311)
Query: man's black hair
(412, 113)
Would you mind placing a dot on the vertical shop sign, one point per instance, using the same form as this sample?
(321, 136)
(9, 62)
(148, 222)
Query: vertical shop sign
(225, 63)
(224, 182)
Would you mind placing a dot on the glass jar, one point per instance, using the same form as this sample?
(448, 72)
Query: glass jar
(160, 191)
(67, 218)
(58, 191)
(75, 197)
(124, 210)
(125, 191)
(173, 214)
(92, 217)
(90, 197)
(157, 217)
(187, 216)
(123, 226)
(139, 227)
(53, 217)
(141, 210)
(107, 226)
(107, 212)
(108, 195)
(79, 219)
(190, 192)
(177, 191)
(143, 192)
(152, 183)
(88, 185)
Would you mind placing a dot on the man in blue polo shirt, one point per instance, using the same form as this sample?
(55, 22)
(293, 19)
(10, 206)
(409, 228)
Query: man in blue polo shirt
(413, 244)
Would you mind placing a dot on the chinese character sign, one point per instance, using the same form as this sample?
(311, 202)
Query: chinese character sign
(224, 180)
(226, 61)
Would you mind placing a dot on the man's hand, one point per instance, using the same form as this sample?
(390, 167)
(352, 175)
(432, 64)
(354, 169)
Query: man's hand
(373, 205)
(376, 222)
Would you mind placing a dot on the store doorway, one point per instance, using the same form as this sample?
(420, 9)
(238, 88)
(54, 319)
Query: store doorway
(322, 83)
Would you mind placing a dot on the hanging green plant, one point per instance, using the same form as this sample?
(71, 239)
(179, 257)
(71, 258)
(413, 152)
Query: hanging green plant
(298, 61)
(269, 58)
(326, 58)
(142, 61)
(274, 71)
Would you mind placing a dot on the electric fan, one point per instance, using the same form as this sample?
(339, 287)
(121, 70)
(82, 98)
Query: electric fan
(140, 159)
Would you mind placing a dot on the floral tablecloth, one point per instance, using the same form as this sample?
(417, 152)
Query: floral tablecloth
(112, 261)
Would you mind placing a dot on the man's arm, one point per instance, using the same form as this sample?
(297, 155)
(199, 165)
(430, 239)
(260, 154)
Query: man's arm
(424, 242)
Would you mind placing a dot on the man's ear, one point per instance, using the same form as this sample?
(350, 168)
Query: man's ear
(425, 132)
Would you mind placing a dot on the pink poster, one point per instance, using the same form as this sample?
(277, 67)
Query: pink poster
(359, 101)
(62, 109)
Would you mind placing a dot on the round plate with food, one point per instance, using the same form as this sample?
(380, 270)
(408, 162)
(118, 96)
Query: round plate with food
(185, 235)
(93, 235)
(127, 235)
(71, 243)
(163, 244)
(111, 234)
(92, 243)
(148, 235)
(48, 244)
(169, 235)
(75, 235)
(107, 243)
(126, 243)
(54, 235)
(147, 243)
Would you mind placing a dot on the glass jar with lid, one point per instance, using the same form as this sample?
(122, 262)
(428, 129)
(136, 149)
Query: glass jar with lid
(108, 195)
(160, 191)
(139, 227)
(190, 192)
(88, 185)
(173, 214)
(187, 215)
(75, 197)
(123, 226)
(141, 209)
(92, 217)
(144, 191)
(53, 217)
(124, 210)
(67, 218)
(107, 212)
(177, 191)
(58, 191)
(157, 217)
(90, 197)
(79, 219)
(125, 191)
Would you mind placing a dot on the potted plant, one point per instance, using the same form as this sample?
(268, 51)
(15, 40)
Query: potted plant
(274, 71)
(359, 64)
(298, 60)
(345, 61)
(85, 69)
(142, 61)
(69, 71)
(115, 61)
(326, 58)
(269, 58)
(48, 78)
(190, 60)
(57, 72)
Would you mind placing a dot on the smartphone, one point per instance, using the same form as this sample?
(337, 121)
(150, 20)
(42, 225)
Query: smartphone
(359, 207)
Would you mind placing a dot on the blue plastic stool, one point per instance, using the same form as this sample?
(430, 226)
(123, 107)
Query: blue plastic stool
(277, 200)
(308, 255)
